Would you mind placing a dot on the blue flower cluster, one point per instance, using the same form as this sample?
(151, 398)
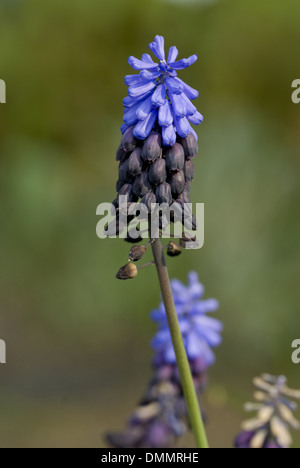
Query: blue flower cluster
(156, 94)
(200, 333)
(162, 415)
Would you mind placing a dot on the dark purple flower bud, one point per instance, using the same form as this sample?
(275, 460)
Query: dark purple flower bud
(136, 253)
(121, 154)
(128, 142)
(188, 187)
(177, 182)
(128, 271)
(135, 162)
(115, 203)
(119, 185)
(148, 199)
(152, 148)
(124, 174)
(184, 197)
(164, 194)
(126, 191)
(158, 172)
(175, 158)
(189, 170)
(142, 185)
(190, 146)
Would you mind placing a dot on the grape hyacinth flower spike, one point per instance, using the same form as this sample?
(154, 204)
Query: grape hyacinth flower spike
(155, 167)
(158, 143)
(161, 417)
(270, 429)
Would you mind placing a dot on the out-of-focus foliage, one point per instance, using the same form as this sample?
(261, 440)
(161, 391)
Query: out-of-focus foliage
(76, 338)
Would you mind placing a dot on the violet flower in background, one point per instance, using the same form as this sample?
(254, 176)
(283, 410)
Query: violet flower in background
(270, 429)
(161, 417)
(200, 333)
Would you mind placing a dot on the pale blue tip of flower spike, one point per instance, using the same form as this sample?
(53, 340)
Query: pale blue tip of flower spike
(157, 95)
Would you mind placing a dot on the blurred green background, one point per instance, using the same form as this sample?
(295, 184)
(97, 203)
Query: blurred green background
(77, 339)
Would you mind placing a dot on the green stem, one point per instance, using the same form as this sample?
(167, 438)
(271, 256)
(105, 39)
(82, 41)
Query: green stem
(181, 357)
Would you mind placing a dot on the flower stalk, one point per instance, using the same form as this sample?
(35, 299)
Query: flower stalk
(181, 357)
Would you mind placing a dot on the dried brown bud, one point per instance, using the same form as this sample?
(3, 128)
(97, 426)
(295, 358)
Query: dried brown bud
(128, 271)
(186, 238)
(136, 253)
(173, 249)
